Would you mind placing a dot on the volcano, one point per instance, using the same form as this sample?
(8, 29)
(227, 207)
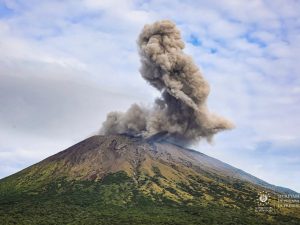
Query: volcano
(121, 179)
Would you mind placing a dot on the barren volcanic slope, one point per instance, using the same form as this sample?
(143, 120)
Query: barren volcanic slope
(118, 179)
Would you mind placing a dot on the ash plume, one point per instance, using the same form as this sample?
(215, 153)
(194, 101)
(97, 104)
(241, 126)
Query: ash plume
(180, 114)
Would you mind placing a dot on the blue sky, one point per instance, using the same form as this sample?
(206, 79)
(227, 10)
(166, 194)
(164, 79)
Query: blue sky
(65, 64)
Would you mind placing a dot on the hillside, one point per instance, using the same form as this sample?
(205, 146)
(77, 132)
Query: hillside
(118, 179)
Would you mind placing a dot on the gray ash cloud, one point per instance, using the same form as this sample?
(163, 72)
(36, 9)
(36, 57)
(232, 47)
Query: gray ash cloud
(181, 113)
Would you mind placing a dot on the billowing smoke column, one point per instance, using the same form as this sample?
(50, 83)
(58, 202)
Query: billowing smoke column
(181, 113)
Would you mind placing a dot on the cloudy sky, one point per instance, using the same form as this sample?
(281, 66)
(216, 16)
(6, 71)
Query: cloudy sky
(65, 64)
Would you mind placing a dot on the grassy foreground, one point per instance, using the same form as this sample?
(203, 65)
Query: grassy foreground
(116, 200)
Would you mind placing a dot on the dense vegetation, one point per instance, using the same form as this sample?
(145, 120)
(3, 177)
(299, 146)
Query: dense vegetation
(117, 200)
